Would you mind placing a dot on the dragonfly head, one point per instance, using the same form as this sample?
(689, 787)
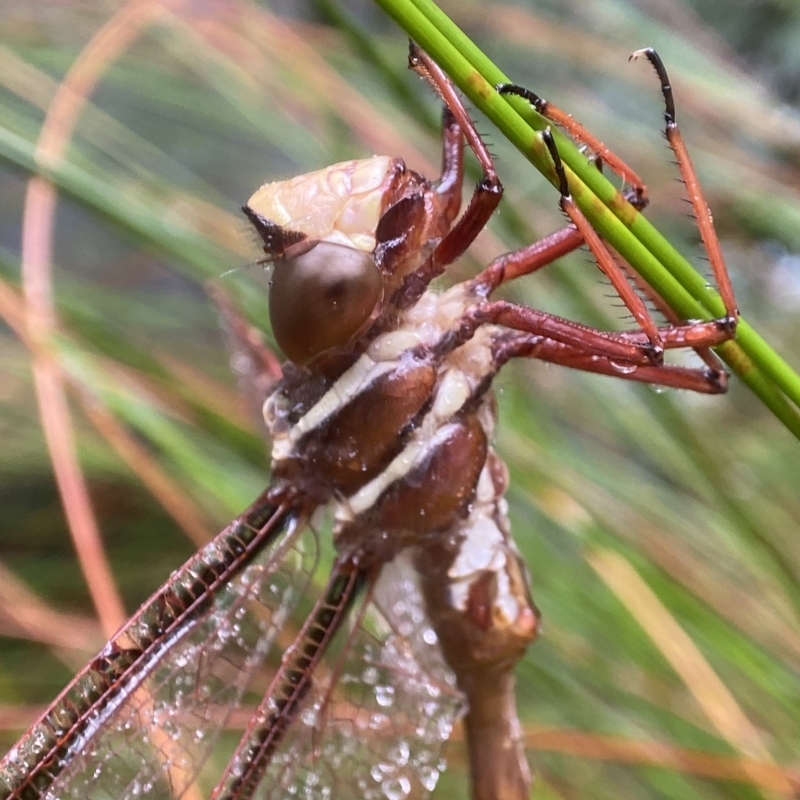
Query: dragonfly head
(319, 231)
(332, 236)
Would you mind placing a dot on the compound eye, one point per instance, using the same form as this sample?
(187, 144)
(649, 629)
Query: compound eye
(322, 299)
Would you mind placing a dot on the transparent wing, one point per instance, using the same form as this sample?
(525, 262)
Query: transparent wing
(374, 724)
(145, 718)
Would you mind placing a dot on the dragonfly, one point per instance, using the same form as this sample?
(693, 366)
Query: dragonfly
(382, 419)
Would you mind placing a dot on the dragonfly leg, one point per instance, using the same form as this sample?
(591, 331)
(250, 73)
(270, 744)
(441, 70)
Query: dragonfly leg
(527, 259)
(637, 195)
(451, 181)
(698, 335)
(545, 251)
(677, 325)
(602, 255)
(705, 380)
(705, 223)
(489, 190)
(630, 347)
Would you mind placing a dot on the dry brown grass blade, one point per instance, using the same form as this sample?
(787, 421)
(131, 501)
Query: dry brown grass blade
(36, 256)
(30, 617)
(766, 776)
(161, 486)
(714, 698)
(37, 228)
(174, 501)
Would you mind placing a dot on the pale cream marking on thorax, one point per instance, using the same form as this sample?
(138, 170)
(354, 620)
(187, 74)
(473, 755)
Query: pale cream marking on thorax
(455, 387)
(350, 384)
(413, 453)
(434, 429)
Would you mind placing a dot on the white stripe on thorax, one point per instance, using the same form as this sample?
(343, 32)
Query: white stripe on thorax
(364, 372)
(425, 323)
(453, 391)
(382, 357)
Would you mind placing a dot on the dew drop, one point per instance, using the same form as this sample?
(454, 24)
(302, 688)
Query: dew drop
(429, 636)
(370, 676)
(312, 779)
(399, 754)
(623, 368)
(378, 721)
(310, 717)
(396, 788)
(429, 777)
(384, 695)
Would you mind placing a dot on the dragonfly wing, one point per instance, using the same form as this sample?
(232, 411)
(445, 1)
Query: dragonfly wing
(376, 720)
(153, 729)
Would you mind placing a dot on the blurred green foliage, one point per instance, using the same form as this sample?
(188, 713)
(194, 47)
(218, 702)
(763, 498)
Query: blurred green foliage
(696, 495)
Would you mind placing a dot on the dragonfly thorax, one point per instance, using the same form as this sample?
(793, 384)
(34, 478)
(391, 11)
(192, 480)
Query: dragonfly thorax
(399, 438)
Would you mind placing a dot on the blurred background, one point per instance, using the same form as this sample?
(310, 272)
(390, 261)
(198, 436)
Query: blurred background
(661, 528)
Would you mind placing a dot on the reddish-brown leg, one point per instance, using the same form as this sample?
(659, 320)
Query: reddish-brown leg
(487, 193)
(555, 340)
(704, 380)
(637, 353)
(521, 262)
(452, 179)
(622, 346)
(676, 323)
(630, 348)
(638, 193)
(680, 334)
(456, 127)
(617, 272)
(704, 222)
(601, 253)
(695, 335)
(527, 259)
